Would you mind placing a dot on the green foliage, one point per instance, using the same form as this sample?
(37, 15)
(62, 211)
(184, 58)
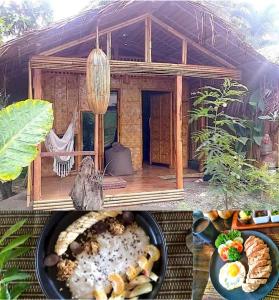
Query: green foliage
(253, 131)
(23, 125)
(230, 171)
(11, 285)
(224, 237)
(257, 26)
(19, 17)
(210, 102)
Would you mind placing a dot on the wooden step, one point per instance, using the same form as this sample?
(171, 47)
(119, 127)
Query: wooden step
(120, 201)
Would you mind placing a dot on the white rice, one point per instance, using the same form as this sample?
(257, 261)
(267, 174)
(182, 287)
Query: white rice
(117, 253)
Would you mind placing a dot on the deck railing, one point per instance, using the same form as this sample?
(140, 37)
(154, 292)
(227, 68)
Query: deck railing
(37, 170)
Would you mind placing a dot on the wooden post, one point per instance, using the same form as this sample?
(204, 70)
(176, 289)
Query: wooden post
(184, 51)
(148, 42)
(178, 135)
(37, 162)
(101, 142)
(109, 45)
(96, 142)
(29, 174)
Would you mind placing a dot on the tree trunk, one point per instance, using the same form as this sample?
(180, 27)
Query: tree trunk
(6, 189)
(87, 192)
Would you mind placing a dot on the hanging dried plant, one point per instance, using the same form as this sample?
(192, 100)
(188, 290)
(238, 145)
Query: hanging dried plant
(98, 81)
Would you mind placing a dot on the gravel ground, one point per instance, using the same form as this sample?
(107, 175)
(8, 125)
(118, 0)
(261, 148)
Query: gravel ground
(199, 196)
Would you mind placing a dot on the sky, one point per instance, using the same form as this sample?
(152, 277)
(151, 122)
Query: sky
(66, 8)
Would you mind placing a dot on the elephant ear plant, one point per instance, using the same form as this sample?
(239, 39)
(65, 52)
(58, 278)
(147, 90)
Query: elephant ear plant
(12, 280)
(230, 172)
(23, 125)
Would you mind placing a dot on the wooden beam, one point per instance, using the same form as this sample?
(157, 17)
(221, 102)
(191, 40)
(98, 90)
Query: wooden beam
(29, 189)
(66, 153)
(93, 35)
(148, 40)
(71, 64)
(109, 45)
(178, 134)
(37, 162)
(184, 52)
(96, 142)
(191, 42)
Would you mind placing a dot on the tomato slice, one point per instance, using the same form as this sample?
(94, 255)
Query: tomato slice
(224, 251)
(237, 245)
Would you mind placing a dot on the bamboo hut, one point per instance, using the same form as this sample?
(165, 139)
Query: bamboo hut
(159, 52)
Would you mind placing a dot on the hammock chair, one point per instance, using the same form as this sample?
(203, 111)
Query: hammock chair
(62, 165)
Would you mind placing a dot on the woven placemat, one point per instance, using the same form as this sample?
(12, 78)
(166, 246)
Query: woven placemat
(178, 281)
(210, 292)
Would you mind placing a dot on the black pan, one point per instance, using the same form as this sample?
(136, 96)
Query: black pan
(59, 221)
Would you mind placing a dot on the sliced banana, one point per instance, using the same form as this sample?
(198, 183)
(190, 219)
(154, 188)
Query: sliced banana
(140, 290)
(141, 279)
(153, 252)
(100, 294)
(118, 285)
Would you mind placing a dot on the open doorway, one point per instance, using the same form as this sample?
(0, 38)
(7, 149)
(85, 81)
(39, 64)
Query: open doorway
(157, 128)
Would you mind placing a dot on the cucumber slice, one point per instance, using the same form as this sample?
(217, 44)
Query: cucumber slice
(239, 239)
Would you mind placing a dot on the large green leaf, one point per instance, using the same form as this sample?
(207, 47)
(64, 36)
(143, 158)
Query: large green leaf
(23, 126)
(12, 230)
(18, 289)
(14, 277)
(4, 292)
(12, 254)
(15, 243)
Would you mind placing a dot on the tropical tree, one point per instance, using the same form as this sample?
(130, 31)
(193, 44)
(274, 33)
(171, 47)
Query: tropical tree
(231, 173)
(19, 17)
(258, 26)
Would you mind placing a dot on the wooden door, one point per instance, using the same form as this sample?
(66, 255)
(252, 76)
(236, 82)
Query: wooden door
(160, 129)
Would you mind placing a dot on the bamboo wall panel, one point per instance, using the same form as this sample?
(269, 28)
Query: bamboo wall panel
(64, 89)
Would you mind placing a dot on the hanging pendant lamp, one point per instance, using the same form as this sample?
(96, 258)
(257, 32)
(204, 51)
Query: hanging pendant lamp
(98, 79)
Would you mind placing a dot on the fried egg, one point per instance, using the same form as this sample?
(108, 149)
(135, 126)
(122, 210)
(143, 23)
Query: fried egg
(232, 275)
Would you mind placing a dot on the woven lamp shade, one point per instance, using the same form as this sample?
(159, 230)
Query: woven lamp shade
(98, 81)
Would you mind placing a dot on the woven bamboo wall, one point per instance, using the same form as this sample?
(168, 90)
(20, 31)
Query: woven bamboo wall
(64, 90)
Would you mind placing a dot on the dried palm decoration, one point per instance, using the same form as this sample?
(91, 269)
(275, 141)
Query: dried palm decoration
(98, 80)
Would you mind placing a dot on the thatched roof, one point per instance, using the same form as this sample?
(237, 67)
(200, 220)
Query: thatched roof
(193, 19)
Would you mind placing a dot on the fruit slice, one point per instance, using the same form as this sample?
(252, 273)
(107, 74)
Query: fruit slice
(100, 294)
(132, 272)
(141, 279)
(117, 283)
(153, 252)
(140, 290)
(153, 276)
(146, 265)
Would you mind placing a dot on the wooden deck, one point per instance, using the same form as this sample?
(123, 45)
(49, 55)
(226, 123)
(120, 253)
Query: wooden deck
(146, 180)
